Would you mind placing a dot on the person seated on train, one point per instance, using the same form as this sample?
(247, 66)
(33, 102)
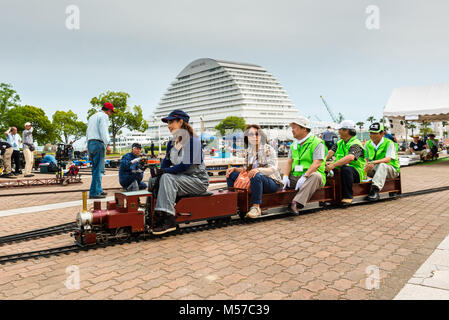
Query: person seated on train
(130, 176)
(382, 160)
(182, 171)
(432, 147)
(418, 147)
(305, 168)
(261, 163)
(349, 157)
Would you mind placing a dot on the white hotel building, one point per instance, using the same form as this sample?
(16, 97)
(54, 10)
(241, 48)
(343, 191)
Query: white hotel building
(210, 90)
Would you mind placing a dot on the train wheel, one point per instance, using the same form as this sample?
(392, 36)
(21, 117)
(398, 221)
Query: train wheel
(122, 234)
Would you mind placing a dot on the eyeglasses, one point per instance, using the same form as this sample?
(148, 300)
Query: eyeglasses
(253, 134)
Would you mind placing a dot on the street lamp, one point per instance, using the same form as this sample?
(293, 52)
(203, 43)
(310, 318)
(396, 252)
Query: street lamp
(159, 133)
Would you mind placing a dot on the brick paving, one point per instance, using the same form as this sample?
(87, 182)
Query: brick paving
(320, 255)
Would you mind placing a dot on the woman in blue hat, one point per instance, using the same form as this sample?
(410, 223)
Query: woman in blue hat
(182, 172)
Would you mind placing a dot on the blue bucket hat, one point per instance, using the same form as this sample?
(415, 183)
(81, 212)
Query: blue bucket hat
(176, 114)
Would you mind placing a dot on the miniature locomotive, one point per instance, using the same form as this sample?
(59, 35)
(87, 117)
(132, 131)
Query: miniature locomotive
(132, 213)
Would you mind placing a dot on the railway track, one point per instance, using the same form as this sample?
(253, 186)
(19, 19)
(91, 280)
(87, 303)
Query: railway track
(52, 192)
(218, 223)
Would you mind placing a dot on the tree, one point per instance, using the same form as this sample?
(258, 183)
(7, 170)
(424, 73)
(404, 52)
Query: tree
(67, 126)
(232, 123)
(123, 117)
(412, 126)
(43, 129)
(371, 119)
(8, 99)
(360, 125)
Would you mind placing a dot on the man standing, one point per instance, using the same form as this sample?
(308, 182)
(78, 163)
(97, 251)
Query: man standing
(152, 149)
(382, 160)
(97, 144)
(305, 165)
(6, 151)
(28, 149)
(14, 140)
(349, 156)
(328, 137)
(129, 175)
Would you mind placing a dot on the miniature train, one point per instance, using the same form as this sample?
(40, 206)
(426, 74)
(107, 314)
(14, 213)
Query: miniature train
(128, 216)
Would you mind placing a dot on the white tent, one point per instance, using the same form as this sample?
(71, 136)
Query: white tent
(426, 103)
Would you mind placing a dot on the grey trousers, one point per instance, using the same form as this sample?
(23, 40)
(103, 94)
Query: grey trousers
(380, 173)
(312, 184)
(173, 185)
(7, 160)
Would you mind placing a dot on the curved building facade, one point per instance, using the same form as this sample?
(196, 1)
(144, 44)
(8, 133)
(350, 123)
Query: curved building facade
(210, 90)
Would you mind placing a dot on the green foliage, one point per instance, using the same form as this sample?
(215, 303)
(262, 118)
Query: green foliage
(43, 129)
(66, 125)
(371, 119)
(360, 124)
(123, 117)
(8, 99)
(231, 123)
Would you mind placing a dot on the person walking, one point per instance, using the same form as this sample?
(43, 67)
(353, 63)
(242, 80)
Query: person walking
(328, 137)
(14, 140)
(97, 144)
(28, 149)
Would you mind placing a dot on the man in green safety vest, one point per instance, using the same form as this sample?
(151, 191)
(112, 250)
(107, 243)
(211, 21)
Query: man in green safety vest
(305, 169)
(432, 147)
(382, 160)
(349, 158)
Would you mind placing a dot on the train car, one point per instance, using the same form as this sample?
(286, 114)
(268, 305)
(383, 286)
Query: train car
(131, 214)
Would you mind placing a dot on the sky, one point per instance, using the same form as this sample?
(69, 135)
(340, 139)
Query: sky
(313, 47)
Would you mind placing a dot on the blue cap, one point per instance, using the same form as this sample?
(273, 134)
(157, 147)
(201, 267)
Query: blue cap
(177, 114)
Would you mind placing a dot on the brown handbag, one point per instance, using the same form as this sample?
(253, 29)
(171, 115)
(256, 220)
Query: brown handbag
(242, 181)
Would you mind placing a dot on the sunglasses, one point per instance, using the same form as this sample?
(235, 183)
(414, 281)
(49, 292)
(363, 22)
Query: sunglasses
(253, 134)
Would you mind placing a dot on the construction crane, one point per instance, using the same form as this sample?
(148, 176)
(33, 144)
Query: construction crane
(334, 118)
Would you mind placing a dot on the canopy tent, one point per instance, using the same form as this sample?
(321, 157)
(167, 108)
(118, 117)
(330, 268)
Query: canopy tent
(425, 103)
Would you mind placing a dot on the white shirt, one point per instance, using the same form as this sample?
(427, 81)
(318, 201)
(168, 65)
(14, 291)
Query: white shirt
(98, 127)
(14, 140)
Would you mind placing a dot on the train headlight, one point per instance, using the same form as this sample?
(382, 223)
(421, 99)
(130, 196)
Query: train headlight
(84, 218)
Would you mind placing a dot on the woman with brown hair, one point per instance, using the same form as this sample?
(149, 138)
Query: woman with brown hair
(261, 163)
(182, 171)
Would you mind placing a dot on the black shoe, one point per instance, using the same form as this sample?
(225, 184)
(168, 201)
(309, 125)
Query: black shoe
(104, 193)
(373, 194)
(168, 224)
(16, 173)
(295, 207)
(29, 175)
(9, 175)
(100, 196)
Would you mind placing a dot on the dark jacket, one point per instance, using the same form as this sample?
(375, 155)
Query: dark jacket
(126, 175)
(194, 155)
(3, 146)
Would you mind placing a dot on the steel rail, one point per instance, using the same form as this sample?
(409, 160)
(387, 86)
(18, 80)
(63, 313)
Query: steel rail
(220, 222)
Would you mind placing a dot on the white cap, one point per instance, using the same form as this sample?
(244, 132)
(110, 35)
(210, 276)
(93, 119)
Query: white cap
(302, 121)
(27, 124)
(347, 124)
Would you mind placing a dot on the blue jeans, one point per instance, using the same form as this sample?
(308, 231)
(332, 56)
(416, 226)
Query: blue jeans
(96, 155)
(259, 184)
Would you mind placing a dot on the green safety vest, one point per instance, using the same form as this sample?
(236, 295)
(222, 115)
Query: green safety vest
(303, 155)
(381, 153)
(430, 143)
(343, 150)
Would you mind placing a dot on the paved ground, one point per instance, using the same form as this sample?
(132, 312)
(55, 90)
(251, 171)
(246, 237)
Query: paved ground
(329, 254)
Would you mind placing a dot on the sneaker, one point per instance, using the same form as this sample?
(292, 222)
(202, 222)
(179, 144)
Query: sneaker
(100, 196)
(373, 194)
(254, 212)
(168, 225)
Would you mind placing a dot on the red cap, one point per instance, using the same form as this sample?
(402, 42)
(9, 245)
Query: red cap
(109, 106)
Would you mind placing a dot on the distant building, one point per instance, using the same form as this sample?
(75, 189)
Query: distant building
(125, 140)
(210, 90)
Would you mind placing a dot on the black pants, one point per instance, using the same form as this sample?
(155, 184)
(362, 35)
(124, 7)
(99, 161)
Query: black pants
(329, 144)
(348, 176)
(16, 159)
